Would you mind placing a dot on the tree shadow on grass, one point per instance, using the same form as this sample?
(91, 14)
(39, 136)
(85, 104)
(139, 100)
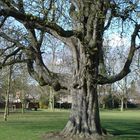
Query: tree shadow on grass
(125, 130)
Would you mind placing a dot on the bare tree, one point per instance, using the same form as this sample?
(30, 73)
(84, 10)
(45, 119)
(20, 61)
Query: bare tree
(6, 112)
(81, 25)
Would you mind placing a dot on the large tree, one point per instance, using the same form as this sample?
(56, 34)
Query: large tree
(81, 25)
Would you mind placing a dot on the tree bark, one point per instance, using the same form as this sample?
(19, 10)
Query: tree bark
(84, 119)
(6, 112)
(126, 104)
(51, 99)
(122, 103)
(6, 106)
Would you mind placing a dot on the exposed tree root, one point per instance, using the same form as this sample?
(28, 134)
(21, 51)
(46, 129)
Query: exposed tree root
(60, 136)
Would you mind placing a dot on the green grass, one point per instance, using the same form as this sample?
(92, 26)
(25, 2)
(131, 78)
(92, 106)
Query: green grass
(123, 125)
(33, 124)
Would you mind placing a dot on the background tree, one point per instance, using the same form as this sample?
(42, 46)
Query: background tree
(8, 91)
(44, 96)
(81, 25)
(20, 84)
(123, 93)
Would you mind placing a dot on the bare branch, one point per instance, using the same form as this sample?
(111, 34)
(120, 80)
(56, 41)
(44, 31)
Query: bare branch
(57, 81)
(5, 36)
(13, 61)
(39, 23)
(109, 21)
(20, 6)
(9, 4)
(5, 49)
(138, 47)
(3, 21)
(32, 37)
(66, 41)
(103, 79)
(41, 38)
(40, 72)
(10, 55)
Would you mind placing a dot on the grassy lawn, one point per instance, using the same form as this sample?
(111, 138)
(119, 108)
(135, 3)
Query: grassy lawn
(32, 125)
(124, 125)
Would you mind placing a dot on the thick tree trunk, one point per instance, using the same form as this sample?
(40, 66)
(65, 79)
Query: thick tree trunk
(84, 119)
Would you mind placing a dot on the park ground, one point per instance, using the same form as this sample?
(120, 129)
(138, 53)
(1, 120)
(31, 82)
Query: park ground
(33, 125)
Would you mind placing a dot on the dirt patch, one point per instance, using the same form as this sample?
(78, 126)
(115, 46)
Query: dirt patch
(55, 136)
(59, 136)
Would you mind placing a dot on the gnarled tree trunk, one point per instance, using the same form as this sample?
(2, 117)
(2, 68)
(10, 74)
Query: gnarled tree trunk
(84, 119)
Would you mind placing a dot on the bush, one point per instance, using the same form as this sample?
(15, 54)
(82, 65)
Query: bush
(64, 105)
